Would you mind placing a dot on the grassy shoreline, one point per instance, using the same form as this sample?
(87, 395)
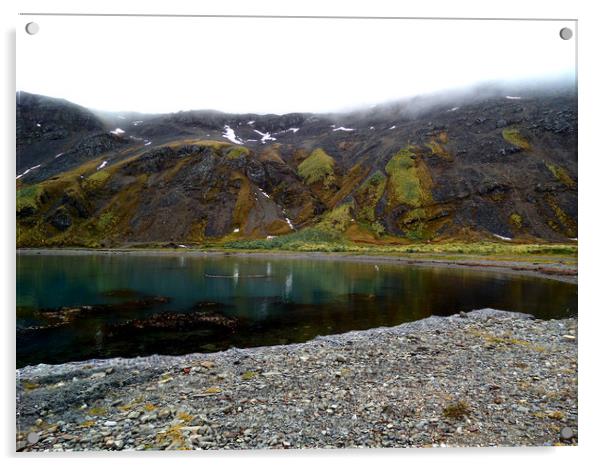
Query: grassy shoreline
(477, 248)
(549, 261)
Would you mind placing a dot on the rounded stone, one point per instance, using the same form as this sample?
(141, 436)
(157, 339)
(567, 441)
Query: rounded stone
(567, 433)
(33, 437)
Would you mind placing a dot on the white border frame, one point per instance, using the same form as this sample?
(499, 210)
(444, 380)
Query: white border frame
(590, 170)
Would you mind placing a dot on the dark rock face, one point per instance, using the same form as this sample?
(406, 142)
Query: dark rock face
(490, 166)
(48, 126)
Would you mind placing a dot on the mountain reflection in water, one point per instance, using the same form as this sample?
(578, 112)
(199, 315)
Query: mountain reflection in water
(141, 305)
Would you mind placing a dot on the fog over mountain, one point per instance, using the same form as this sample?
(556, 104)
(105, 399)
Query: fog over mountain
(284, 65)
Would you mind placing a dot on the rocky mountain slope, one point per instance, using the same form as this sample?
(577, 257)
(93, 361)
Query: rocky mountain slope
(497, 167)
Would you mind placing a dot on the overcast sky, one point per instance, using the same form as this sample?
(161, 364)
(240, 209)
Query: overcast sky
(277, 65)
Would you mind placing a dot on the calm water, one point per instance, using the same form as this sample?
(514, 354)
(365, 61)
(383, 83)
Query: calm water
(275, 301)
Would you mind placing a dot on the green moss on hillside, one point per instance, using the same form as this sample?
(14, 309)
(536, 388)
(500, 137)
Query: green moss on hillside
(318, 167)
(175, 145)
(236, 152)
(514, 137)
(368, 195)
(414, 224)
(409, 181)
(337, 220)
(424, 223)
(564, 223)
(561, 175)
(106, 220)
(437, 146)
(28, 199)
(345, 185)
(96, 180)
(516, 220)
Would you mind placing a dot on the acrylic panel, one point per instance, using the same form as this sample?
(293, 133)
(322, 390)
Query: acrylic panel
(295, 232)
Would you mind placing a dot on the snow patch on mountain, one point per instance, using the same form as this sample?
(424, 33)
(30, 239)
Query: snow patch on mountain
(28, 170)
(265, 136)
(230, 135)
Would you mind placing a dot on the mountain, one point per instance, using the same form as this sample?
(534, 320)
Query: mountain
(47, 127)
(491, 167)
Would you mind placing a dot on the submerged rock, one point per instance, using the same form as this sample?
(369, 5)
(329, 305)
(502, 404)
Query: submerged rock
(55, 317)
(121, 293)
(176, 321)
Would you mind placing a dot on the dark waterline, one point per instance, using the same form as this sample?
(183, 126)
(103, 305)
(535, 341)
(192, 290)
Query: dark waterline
(272, 301)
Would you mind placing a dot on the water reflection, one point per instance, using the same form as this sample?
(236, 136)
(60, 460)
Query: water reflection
(288, 285)
(273, 301)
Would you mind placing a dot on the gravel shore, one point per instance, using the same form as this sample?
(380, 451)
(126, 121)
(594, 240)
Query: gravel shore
(485, 378)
